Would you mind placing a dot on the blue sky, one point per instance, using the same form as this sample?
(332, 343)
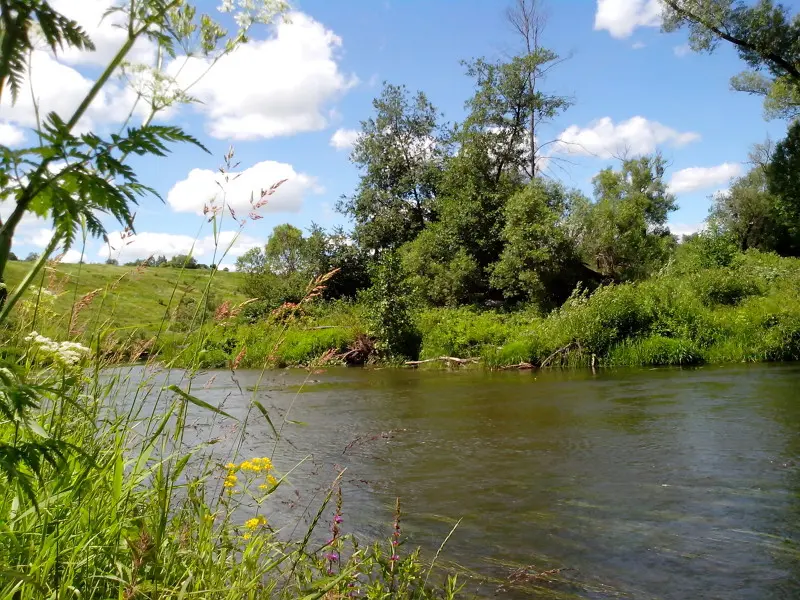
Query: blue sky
(281, 101)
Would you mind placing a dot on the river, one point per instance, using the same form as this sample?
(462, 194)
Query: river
(662, 483)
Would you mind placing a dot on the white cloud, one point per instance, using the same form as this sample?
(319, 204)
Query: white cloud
(108, 34)
(638, 45)
(621, 17)
(40, 238)
(148, 243)
(60, 88)
(200, 188)
(698, 178)
(682, 50)
(635, 136)
(73, 256)
(344, 139)
(273, 87)
(681, 229)
(10, 135)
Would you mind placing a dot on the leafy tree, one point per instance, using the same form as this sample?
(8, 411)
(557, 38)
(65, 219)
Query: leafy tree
(32, 257)
(285, 252)
(389, 309)
(399, 154)
(540, 261)
(765, 36)
(440, 271)
(12, 256)
(336, 250)
(252, 262)
(783, 181)
(623, 234)
(183, 261)
(112, 261)
(747, 213)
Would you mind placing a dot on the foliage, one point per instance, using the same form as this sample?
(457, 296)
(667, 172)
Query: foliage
(623, 234)
(389, 310)
(540, 261)
(399, 153)
(783, 177)
(285, 252)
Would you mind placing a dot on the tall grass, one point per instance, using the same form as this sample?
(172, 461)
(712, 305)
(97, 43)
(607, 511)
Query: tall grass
(103, 495)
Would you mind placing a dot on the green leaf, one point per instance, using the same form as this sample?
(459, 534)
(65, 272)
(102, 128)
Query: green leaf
(264, 412)
(201, 403)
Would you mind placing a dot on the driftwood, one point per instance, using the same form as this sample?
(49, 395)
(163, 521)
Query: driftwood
(521, 366)
(323, 327)
(560, 351)
(448, 359)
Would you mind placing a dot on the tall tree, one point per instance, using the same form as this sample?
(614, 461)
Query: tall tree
(285, 252)
(399, 153)
(783, 181)
(765, 36)
(528, 19)
(624, 233)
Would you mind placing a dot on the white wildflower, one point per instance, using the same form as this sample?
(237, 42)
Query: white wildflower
(226, 6)
(64, 353)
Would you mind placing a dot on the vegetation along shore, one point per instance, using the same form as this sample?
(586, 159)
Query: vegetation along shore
(463, 249)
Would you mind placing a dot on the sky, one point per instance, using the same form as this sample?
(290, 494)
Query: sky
(291, 100)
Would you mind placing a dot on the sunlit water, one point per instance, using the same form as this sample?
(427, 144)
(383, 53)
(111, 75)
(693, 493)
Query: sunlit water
(644, 483)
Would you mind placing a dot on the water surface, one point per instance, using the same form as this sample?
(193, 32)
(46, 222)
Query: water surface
(639, 483)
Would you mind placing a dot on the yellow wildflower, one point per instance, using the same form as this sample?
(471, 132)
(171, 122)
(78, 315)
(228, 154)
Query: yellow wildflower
(246, 536)
(247, 466)
(271, 480)
(230, 480)
(255, 522)
(230, 466)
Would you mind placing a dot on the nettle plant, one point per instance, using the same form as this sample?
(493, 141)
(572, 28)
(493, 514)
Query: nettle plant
(72, 178)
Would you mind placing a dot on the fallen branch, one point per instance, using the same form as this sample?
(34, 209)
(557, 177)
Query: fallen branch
(560, 351)
(449, 359)
(521, 366)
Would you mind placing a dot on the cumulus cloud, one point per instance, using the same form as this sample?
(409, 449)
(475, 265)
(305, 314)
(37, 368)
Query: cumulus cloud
(201, 187)
(621, 17)
(73, 256)
(605, 139)
(10, 135)
(148, 243)
(344, 139)
(699, 178)
(273, 87)
(60, 88)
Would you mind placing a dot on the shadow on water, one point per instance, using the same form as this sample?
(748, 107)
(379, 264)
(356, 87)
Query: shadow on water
(629, 483)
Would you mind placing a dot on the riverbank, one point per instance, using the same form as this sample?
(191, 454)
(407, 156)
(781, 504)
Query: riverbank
(748, 311)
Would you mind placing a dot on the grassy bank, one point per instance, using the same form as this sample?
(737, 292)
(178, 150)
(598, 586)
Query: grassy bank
(690, 313)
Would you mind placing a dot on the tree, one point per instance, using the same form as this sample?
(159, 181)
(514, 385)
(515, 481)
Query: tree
(285, 252)
(540, 261)
(623, 234)
(527, 18)
(399, 154)
(747, 212)
(183, 261)
(112, 261)
(764, 35)
(12, 256)
(95, 178)
(32, 257)
(783, 181)
(337, 250)
(252, 262)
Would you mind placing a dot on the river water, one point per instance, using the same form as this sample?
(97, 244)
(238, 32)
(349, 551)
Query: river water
(659, 483)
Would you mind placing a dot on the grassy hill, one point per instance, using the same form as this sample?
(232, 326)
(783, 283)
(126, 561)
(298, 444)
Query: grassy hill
(126, 297)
